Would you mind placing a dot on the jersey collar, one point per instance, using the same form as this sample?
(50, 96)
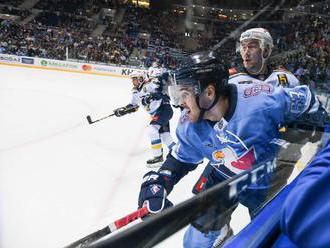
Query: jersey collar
(261, 77)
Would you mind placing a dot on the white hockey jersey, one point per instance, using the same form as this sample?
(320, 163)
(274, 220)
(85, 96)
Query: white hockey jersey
(280, 77)
(152, 88)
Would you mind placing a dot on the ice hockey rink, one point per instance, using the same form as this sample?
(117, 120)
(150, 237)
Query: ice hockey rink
(61, 178)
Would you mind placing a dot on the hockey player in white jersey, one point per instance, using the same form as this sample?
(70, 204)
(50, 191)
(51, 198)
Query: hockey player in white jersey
(156, 70)
(256, 46)
(149, 95)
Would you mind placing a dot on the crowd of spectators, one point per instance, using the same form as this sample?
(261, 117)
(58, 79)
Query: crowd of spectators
(148, 35)
(65, 21)
(14, 3)
(10, 10)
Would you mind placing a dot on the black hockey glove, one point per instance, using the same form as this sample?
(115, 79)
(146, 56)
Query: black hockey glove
(125, 110)
(146, 100)
(153, 193)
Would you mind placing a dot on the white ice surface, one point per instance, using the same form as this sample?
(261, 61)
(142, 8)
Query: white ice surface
(61, 178)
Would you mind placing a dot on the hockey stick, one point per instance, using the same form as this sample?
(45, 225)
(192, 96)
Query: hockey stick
(86, 241)
(89, 119)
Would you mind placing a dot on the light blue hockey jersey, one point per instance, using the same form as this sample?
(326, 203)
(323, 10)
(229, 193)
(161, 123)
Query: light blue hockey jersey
(243, 138)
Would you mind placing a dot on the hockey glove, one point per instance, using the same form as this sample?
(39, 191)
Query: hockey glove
(125, 110)
(153, 193)
(119, 112)
(146, 100)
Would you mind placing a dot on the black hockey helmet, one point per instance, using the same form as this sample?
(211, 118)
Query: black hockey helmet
(199, 70)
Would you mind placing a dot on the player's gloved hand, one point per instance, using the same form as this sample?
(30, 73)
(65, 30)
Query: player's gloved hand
(147, 99)
(130, 108)
(120, 112)
(153, 193)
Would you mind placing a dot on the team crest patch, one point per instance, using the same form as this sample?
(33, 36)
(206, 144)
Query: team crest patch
(218, 156)
(257, 89)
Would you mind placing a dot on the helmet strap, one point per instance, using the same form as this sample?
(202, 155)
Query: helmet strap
(203, 110)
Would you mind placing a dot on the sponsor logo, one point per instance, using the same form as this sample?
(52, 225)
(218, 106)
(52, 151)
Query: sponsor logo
(9, 58)
(152, 177)
(104, 69)
(257, 89)
(29, 61)
(43, 62)
(129, 71)
(241, 183)
(86, 67)
(58, 64)
(126, 71)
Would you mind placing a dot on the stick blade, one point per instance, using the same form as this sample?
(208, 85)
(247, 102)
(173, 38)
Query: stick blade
(89, 119)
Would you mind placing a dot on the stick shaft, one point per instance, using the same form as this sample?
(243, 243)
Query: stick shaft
(85, 241)
(90, 121)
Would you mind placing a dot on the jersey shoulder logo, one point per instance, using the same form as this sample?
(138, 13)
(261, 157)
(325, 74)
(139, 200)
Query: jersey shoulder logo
(282, 79)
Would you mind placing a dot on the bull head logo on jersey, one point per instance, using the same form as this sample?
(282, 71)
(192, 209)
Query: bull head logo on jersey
(228, 157)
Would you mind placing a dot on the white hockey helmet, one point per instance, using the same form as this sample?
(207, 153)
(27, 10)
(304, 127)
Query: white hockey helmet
(262, 35)
(139, 75)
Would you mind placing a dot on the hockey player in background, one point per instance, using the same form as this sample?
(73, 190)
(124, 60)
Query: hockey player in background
(255, 47)
(148, 93)
(233, 126)
(156, 70)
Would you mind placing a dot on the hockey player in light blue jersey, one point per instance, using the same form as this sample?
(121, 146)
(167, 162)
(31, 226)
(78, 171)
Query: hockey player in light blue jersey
(149, 94)
(233, 126)
(255, 48)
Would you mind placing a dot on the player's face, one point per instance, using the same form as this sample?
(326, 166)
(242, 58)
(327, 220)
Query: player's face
(184, 96)
(136, 82)
(252, 55)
